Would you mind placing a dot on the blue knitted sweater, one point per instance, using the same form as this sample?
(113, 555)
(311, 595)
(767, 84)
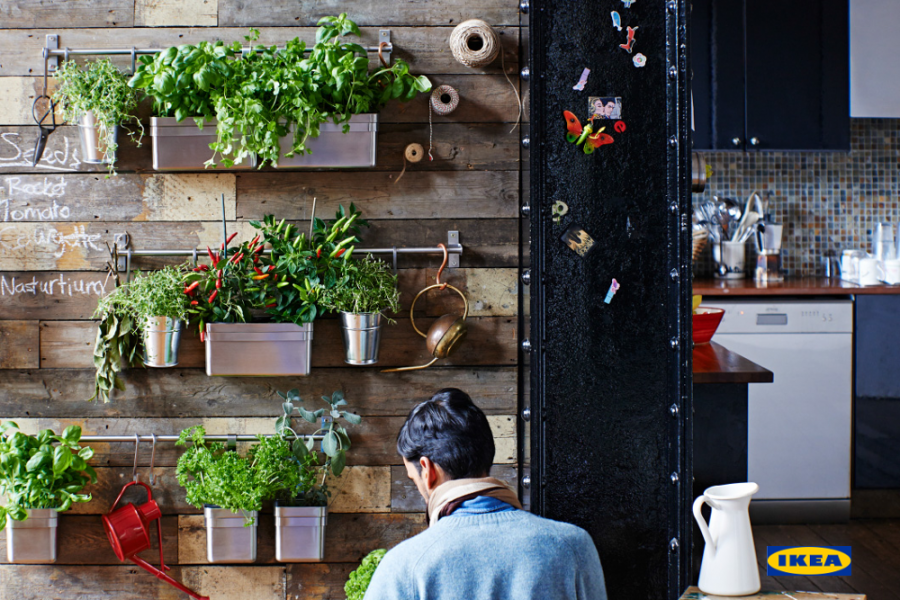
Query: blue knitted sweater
(487, 550)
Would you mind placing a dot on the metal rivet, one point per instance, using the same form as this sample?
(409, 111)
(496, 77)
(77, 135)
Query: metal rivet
(673, 72)
(736, 141)
(674, 274)
(673, 343)
(526, 345)
(754, 141)
(674, 478)
(526, 209)
(673, 208)
(526, 141)
(526, 481)
(673, 142)
(673, 545)
(671, 5)
(525, 73)
(526, 414)
(524, 6)
(673, 410)
(526, 276)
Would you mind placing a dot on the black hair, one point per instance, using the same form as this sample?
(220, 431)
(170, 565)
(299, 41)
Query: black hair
(451, 431)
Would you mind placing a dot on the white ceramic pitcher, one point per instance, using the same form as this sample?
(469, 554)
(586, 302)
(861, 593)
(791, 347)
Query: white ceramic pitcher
(729, 559)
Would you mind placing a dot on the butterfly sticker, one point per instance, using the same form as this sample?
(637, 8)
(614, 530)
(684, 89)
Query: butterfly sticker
(578, 134)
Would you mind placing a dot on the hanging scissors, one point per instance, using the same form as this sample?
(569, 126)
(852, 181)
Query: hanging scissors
(45, 129)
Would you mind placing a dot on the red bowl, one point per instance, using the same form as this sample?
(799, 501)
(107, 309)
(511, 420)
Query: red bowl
(706, 320)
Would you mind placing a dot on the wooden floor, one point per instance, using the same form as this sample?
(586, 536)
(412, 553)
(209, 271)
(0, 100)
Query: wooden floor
(876, 556)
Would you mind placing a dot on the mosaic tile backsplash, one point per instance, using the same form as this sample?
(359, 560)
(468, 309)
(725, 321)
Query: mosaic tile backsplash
(828, 201)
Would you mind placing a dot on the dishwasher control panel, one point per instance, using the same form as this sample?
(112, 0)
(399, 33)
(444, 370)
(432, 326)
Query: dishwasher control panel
(784, 316)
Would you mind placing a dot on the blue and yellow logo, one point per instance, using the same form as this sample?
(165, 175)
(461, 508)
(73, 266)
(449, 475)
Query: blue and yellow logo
(808, 560)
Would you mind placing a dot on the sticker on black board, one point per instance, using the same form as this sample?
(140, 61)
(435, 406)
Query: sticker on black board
(617, 20)
(639, 60)
(578, 240)
(605, 108)
(559, 210)
(628, 46)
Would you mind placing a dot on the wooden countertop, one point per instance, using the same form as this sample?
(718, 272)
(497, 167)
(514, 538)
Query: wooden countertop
(716, 364)
(808, 286)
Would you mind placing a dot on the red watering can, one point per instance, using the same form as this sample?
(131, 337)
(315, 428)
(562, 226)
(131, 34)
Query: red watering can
(128, 530)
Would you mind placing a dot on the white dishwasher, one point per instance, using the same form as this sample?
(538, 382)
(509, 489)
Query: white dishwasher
(799, 427)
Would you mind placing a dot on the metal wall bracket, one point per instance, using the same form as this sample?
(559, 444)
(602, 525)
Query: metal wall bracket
(453, 241)
(51, 43)
(384, 36)
(122, 241)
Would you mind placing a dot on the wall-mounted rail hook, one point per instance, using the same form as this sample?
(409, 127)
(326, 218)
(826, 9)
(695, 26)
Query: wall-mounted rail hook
(133, 60)
(137, 446)
(194, 258)
(453, 243)
(231, 442)
(152, 459)
(394, 256)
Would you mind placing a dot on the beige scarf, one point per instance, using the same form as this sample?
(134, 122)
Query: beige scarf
(458, 488)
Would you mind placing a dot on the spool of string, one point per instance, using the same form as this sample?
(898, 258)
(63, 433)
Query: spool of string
(413, 153)
(444, 100)
(475, 44)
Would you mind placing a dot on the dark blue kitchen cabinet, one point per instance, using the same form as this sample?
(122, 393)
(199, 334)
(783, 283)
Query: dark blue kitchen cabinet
(770, 74)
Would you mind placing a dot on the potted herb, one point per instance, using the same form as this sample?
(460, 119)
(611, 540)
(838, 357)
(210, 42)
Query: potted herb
(286, 284)
(99, 100)
(367, 288)
(228, 489)
(39, 480)
(359, 580)
(271, 102)
(160, 308)
(290, 458)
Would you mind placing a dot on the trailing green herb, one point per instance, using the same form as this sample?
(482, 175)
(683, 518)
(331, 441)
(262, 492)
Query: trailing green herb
(367, 286)
(35, 474)
(102, 89)
(116, 345)
(359, 580)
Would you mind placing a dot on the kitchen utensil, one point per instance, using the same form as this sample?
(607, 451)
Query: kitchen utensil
(730, 260)
(768, 267)
(850, 264)
(729, 557)
(704, 322)
(883, 247)
(772, 238)
(870, 272)
(743, 234)
(748, 208)
(892, 271)
(128, 530)
(831, 266)
(731, 208)
(698, 173)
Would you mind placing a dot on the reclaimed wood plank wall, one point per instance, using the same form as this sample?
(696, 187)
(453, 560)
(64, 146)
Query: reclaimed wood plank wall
(56, 218)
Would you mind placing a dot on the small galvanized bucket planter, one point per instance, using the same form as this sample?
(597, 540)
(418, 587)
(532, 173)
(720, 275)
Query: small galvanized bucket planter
(162, 336)
(228, 540)
(300, 533)
(95, 139)
(334, 148)
(32, 541)
(258, 349)
(179, 146)
(362, 336)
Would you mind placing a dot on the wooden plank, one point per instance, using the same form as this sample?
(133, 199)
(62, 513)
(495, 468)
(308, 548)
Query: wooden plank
(81, 540)
(491, 341)
(51, 295)
(420, 194)
(694, 592)
(490, 292)
(170, 393)
(871, 571)
(405, 497)
(416, 12)
(426, 49)
(19, 345)
(373, 440)
(18, 95)
(457, 147)
(318, 581)
(129, 582)
(348, 537)
(66, 13)
(175, 13)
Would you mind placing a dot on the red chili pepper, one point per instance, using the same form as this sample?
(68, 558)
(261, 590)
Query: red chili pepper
(215, 258)
(260, 276)
(199, 268)
(258, 270)
(259, 248)
(194, 303)
(271, 305)
(341, 251)
(253, 241)
(218, 284)
(231, 237)
(256, 259)
(319, 253)
(190, 289)
(237, 258)
(202, 336)
(212, 255)
(213, 296)
(274, 276)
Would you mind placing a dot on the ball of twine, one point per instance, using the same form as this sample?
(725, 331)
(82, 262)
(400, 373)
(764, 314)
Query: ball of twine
(437, 102)
(414, 153)
(474, 43)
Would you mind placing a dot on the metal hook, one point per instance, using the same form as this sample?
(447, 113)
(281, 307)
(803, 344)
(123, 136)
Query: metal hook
(133, 63)
(194, 259)
(231, 442)
(128, 265)
(66, 54)
(437, 278)
(152, 459)
(394, 252)
(137, 445)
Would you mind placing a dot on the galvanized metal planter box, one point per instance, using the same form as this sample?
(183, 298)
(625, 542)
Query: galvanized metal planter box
(334, 148)
(258, 349)
(181, 146)
(228, 539)
(300, 533)
(32, 541)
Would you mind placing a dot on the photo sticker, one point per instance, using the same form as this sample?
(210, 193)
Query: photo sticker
(578, 240)
(605, 108)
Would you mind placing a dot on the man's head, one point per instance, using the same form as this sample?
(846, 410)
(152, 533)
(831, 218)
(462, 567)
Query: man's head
(445, 438)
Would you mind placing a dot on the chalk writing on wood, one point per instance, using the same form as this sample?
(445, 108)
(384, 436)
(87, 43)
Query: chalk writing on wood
(61, 286)
(12, 240)
(15, 152)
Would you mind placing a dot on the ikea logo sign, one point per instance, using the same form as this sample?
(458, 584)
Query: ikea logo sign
(808, 560)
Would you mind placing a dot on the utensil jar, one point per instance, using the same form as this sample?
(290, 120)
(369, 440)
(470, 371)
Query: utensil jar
(730, 259)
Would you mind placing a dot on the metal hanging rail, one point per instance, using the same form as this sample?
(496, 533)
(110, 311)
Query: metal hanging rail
(174, 438)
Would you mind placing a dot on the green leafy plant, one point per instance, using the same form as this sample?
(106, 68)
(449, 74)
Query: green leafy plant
(303, 268)
(36, 474)
(116, 345)
(102, 89)
(367, 286)
(158, 294)
(291, 457)
(359, 580)
(213, 475)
